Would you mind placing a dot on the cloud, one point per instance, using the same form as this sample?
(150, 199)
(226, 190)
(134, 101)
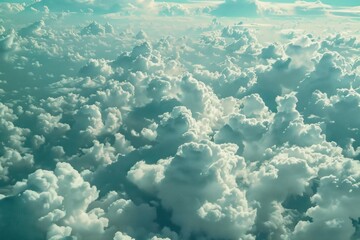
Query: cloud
(50, 198)
(329, 2)
(233, 8)
(8, 44)
(14, 154)
(198, 166)
(306, 8)
(34, 29)
(97, 6)
(95, 67)
(250, 8)
(11, 7)
(95, 28)
(173, 10)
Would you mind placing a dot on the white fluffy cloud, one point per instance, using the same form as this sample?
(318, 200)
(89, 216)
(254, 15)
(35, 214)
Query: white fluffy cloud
(207, 200)
(58, 201)
(289, 8)
(246, 8)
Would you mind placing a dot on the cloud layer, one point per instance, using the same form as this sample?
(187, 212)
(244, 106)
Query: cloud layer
(112, 129)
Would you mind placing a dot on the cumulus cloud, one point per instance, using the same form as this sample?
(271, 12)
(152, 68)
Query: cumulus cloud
(173, 10)
(33, 29)
(11, 7)
(54, 197)
(285, 8)
(95, 28)
(306, 8)
(210, 168)
(233, 8)
(8, 44)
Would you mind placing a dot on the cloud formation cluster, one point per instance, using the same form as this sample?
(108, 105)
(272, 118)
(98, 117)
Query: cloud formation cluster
(107, 133)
